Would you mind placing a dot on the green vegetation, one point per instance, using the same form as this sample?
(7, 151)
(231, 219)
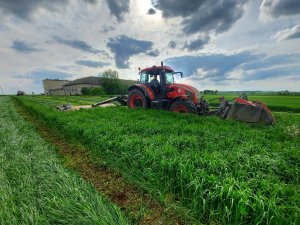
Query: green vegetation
(210, 170)
(113, 86)
(109, 73)
(34, 186)
(74, 100)
(92, 91)
(274, 102)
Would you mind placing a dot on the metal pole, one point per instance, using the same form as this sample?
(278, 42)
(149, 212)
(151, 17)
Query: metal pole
(1, 90)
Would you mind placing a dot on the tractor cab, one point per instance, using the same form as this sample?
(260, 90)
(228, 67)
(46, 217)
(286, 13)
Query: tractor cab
(157, 79)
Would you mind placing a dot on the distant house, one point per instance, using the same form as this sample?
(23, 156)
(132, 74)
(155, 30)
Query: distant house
(58, 91)
(74, 87)
(53, 84)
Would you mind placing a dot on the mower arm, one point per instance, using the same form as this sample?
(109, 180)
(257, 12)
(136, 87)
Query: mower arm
(122, 99)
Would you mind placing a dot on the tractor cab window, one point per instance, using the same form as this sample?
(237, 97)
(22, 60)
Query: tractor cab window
(154, 78)
(169, 77)
(144, 77)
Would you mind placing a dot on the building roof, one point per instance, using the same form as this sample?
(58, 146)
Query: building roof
(55, 79)
(96, 81)
(85, 80)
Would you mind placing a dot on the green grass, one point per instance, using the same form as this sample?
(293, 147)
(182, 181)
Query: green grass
(211, 170)
(274, 102)
(74, 100)
(34, 186)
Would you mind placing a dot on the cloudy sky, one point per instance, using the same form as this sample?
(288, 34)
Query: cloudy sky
(218, 44)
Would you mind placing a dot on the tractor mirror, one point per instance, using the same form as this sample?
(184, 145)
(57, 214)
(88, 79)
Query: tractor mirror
(181, 74)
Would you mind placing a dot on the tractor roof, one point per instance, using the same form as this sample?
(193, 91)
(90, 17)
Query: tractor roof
(155, 70)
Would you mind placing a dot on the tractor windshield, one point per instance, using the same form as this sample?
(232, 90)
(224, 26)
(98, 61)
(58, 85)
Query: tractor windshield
(169, 77)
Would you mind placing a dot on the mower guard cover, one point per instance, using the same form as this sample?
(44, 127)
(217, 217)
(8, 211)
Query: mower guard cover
(246, 111)
(250, 113)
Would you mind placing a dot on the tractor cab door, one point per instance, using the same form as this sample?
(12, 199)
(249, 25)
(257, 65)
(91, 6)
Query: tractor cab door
(151, 81)
(154, 84)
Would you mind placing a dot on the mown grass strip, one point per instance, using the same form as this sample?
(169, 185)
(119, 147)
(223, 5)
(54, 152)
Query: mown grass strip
(35, 188)
(140, 206)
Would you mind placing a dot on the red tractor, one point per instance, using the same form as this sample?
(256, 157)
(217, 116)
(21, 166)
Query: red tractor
(157, 89)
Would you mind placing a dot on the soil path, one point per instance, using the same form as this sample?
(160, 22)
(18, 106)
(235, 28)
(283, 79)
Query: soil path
(140, 206)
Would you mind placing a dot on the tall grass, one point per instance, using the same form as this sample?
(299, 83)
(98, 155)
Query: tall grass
(35, 188)
(215, 171)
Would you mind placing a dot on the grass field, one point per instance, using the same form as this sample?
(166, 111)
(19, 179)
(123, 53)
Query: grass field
(34, 186)
(209, 170)
(274, 102)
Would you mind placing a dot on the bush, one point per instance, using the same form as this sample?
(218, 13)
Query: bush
(92, 91)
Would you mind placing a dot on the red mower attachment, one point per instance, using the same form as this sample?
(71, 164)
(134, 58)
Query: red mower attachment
(244, 110)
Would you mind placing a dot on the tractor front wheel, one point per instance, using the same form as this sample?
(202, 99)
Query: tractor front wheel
(182, 106)
(136, 99)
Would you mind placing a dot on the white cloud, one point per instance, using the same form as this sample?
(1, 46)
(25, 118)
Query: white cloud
(287, 34)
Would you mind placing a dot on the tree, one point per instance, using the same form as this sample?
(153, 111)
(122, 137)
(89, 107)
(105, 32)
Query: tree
(210, 92)
(112, 74)
(97, 91)
(85, 91)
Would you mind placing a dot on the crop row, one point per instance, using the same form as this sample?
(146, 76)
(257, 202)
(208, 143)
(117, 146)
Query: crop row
(209, 169)
(34, 186)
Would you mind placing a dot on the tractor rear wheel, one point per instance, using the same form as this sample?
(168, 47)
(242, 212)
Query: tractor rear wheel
(182, 106)
(136, 99)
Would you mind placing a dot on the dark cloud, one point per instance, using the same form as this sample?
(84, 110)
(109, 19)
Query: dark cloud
(212, 67)
(77, 44)
(106, 29)
(219, 67)
(24, 47)
(151, 11)
(271, 73)
(38, 75)
(277, 8)
(91, 63)
(118, 8)
(124, 47)
(91, 1)
(153, 53)
(172, 44)
(196, 44)
(25, 8)
(263, 62)
(202, 15)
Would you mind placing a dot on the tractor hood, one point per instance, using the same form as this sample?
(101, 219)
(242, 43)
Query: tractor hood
(188, 90)
(187, 87)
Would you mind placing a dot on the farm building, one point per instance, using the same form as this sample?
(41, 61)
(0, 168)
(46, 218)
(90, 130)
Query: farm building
(74, 87)
(65, 87)
(53, 84)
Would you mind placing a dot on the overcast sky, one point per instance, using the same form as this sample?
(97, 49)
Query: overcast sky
(218, 44)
